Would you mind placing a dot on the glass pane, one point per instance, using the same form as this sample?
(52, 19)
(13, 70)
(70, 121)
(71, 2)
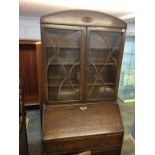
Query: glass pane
(127, 78)
(63, 64)
(102, 63)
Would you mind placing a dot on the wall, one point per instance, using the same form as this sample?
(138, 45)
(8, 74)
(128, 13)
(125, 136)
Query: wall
(29, 28)
(130, 29)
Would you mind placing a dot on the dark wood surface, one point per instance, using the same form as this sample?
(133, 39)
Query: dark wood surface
(98, 118)
(85, 153)
(28, 72)
(84, 18)
(23, 145)
(109, 151)
(70, 129)
(79, 73)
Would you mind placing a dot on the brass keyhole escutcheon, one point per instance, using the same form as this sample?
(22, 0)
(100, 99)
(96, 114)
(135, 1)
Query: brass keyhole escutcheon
(83, 108)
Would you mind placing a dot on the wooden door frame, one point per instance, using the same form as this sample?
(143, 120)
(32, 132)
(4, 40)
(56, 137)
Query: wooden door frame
(106, 29)
(82, 29)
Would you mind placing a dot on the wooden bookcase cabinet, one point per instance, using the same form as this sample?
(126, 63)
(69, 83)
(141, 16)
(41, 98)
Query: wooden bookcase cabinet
(28, 71)
(82, 53)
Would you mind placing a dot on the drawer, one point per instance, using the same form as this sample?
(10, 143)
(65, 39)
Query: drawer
(109, 151)
(112, 151)
(85, 143)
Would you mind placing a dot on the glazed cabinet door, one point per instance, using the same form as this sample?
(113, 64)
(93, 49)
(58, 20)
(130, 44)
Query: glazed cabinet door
(64, 73)
(104, 48)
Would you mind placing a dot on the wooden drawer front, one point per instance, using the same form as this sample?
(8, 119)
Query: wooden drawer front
(56, 146)
(109, 151)
(112, 151)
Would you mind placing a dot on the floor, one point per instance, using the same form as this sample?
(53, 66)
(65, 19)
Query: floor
(34, 130)
(128, 112)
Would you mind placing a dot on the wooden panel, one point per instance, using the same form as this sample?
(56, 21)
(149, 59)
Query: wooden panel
(23, 146)
(28, 74)
(120, 62)
(85, 153)
(111, 151)
(92, 142)
(84, 18)
(72, 121)
(108, 151)
(41, 73)
(82, 127)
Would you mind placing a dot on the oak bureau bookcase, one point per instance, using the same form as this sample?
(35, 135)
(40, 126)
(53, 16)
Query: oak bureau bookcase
(79, 68)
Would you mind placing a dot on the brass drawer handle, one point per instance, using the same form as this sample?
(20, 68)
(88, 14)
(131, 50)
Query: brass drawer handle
(83, 108)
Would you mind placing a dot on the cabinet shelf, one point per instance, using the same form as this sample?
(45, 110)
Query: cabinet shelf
(64, 85)
(56, 83)
(100, 64)
(64, 63)
(97, 64)
(91, 48)
(104, 48)
(99, 83)
(89, 84)
(64, 47)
